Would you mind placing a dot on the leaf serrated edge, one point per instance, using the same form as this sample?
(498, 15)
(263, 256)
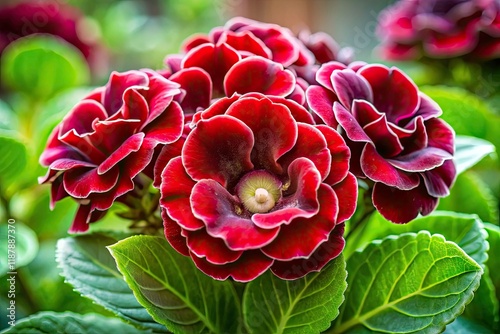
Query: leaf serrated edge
(281, 327)
(59, 260)
(112, 249)
(477, 278)
(76, 317)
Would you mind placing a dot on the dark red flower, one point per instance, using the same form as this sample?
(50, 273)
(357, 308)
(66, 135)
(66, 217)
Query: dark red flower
(395, 137)
(255, 189)
(48, 17)
(108, 138)
(218, 64)
(202, 79)
(440, 29)
(250, 37)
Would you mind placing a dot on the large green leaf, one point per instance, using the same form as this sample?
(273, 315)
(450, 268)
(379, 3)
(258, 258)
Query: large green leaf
(13, 159)
(173, 290)
(469, 194)
(305, 305)
(68, 322)
(19, 246)
(464, 229)
(466, 113)
(87, 265)
(413, 282)
(469, 151)
(58, 66)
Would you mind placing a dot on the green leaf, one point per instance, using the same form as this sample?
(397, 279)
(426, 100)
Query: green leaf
(47, 287)
(87, 265)
(58, 66)
(494, 259)
(484, 307)
(465, 230)
(413, 282)
(466, 113)
(469, 151)
(305, 305)
(68, 322)
(19, 246)
(173, 290)
(13, 159)
(463, 325)
(470, 195)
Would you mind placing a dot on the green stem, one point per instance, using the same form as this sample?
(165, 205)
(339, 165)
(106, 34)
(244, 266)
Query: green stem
(368, 210)
(361, 222)
(28, 116)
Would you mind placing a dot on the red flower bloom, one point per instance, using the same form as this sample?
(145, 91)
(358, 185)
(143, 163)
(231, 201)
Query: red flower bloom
(440, 29)
(254, 189)
(109, 138)
(208, 61)
(395, 137)
(48, 17)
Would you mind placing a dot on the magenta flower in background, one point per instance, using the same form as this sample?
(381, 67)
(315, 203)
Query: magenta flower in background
(411, 29)
(48, 17)
(396, 139)
(254, 189)
(107, 139)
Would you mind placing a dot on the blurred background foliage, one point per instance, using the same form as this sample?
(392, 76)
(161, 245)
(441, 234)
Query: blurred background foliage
(42, 77)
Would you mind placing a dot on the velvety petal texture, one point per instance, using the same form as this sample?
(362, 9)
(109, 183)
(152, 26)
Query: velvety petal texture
(110, 137)
(440, 29)
(254, 189)
(396, 140)
(245, 56)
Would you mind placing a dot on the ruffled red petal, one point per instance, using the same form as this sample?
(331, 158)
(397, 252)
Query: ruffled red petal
(300, 238)
(257, 74)
(176, 187)
(402, 206)
(212, 204)
(225, 155)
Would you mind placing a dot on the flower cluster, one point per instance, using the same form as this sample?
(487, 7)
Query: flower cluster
(440, 29)
(254, 138)
(248, 56)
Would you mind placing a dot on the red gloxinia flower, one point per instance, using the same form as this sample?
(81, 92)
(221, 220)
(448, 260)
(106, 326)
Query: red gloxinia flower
(395, 137)
(198, 75)
(250, 37)
(107, 139)
(207, 60)
(254, 189)
(410, 29)
(48, 17)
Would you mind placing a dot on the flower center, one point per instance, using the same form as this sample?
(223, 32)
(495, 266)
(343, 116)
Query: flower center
(259, 191)
(261, 195)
